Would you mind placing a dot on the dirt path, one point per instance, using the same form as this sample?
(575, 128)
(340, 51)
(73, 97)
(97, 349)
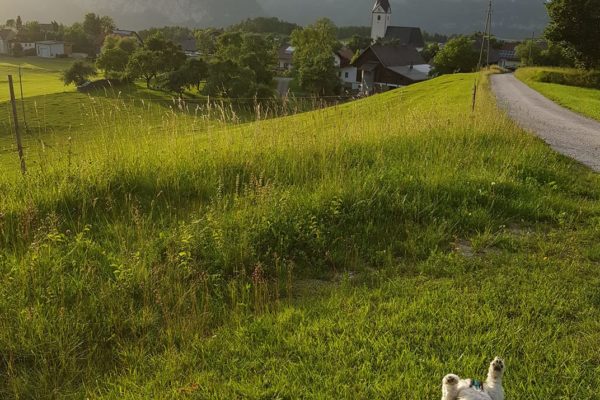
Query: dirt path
(565, 131)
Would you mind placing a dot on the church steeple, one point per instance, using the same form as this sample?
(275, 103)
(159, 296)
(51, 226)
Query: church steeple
(381, 18)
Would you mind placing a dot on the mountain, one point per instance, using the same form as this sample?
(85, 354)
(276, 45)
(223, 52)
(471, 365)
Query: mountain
(512, 18)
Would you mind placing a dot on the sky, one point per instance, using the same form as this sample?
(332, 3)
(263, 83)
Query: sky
(512, 18)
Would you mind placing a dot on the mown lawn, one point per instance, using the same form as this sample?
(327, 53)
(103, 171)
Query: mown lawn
(582, 100)
(357, 252)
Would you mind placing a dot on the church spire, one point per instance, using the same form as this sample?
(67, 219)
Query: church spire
(384, 4)
(381, 18)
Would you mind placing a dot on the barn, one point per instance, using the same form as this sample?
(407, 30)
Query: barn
(53, 49)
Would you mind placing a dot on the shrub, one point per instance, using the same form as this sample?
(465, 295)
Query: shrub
(587, 79)
(78, 73)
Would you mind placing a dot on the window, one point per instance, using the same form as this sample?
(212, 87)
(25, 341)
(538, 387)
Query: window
(347, 75)
(379, 18)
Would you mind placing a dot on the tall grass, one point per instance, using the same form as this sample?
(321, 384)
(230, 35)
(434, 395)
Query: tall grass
(147, 238)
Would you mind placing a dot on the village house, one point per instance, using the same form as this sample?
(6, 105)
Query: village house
(395, 59)
(507, 56)
(348, 72)
(53, 49)
(382, 67)
(6, 37)
(285, 57)
(122, 33)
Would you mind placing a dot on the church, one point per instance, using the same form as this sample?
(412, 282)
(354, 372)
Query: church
(394, 60)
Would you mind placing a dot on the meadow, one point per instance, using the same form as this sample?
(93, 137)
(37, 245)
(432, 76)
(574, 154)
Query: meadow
(362, 251)
(582, 100)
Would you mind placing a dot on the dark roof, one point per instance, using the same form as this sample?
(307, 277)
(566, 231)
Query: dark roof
(385, 4)
(188, 44)
(285, 53)
(405, 35)
(346, 55)
(397, 55)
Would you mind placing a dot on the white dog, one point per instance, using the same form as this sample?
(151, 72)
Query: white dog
(454, 388)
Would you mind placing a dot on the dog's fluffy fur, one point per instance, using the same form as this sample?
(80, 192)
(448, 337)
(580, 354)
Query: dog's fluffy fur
(454, 388)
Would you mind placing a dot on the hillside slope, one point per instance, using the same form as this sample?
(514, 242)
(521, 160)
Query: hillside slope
(363, 251)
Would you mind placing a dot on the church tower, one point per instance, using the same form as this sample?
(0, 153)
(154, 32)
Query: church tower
(381, 18)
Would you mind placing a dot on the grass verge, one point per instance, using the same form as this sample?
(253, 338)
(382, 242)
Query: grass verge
(582, 100)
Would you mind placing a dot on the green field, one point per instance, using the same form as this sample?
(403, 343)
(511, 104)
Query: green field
(581, 100)
(357, 252)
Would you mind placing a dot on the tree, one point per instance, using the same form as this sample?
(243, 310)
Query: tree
(575, 25)
(556, 56)
(314, 67)
(115, 55)
(10, 23)
(113, 61)
(197, 71)
(359, 43)
(228, 79)
(191, 74)
(249, 50)
(145, 64)
(458, 55)
(19, 23)
(530, 53)
(206, 40)
(17, 50)
(92, 25)
(157, 56)
(430, 51)
(82, 43)
(78, 73)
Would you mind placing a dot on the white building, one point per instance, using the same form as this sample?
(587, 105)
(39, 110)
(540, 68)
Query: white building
(6, 36)
(53, 49)
(348, 73)
(381, 28)
(380, 19)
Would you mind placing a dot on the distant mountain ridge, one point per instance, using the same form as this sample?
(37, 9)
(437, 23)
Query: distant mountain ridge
(512, 19)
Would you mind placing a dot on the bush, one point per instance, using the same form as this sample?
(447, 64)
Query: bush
(587, 79)
(78, 73)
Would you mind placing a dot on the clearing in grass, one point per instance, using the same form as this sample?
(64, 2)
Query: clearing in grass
(358, 252)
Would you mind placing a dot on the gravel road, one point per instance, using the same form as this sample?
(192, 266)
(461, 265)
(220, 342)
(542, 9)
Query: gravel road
(565, 131)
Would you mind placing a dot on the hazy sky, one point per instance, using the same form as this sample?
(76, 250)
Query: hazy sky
(512, 18)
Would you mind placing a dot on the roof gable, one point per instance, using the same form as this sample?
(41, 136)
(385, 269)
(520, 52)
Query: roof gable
(384, 4)
(405, 35)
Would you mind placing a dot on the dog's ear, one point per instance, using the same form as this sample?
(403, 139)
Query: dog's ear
(450, 379)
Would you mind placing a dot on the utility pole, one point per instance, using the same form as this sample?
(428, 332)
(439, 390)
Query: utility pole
(487, 34)
(13, 101)
(531, 48)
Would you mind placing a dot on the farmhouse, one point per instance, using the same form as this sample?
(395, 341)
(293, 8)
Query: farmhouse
(285, 56)
(507, 56)
(348, 72)
(6, 36)
(394, 60)
(389, 66)
(53, 49)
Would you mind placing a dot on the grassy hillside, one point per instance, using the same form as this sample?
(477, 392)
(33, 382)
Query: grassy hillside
(362, 251)
(40, 76)
(583, 100)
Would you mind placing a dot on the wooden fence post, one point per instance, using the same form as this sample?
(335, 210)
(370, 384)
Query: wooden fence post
(13, 101)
